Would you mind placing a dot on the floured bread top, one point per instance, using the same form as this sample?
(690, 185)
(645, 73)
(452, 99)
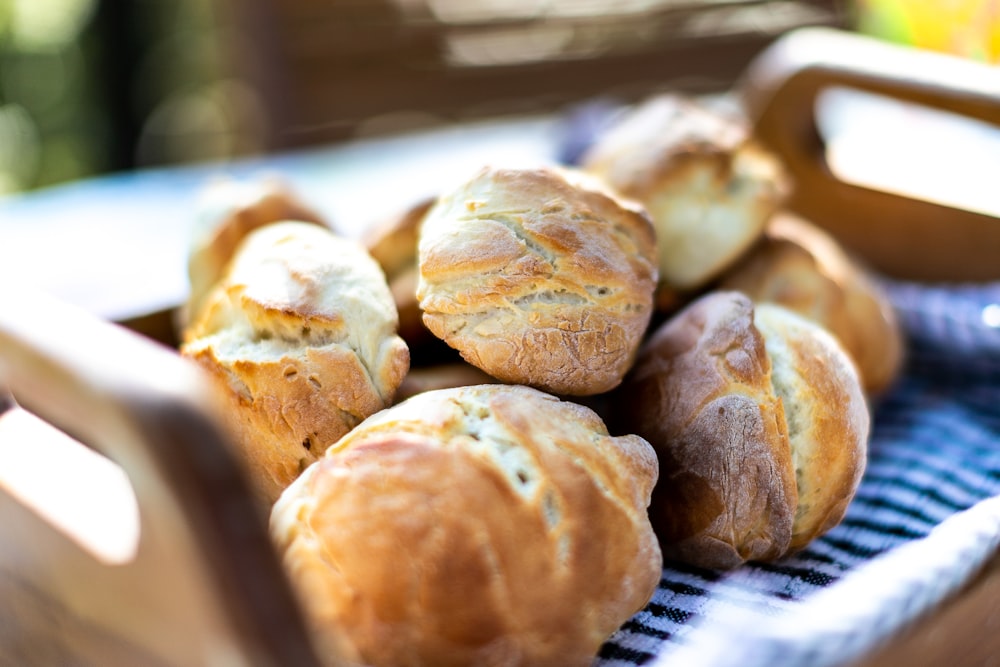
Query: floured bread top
(228, 210)
(301, 330)
(708, 186)
(760, 426)
(825, 412)
(539, 277)
(296, 285)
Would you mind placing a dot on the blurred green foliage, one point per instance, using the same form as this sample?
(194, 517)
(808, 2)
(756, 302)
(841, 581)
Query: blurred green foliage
(50, 124)
(92, 86)
(967, 28)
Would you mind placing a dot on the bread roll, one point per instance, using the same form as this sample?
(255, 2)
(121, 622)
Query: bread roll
(393, 244)
(709, 187)
(539, 277)
(801, 267)
(228, 210)
(760, 426)
(300, 334)
(486, 525)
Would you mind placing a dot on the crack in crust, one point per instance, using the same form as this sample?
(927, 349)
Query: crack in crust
(300, 334)
(760, 426)
(539, 540)
(539, 277)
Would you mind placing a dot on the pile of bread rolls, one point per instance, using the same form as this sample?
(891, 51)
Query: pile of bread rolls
(425, 413)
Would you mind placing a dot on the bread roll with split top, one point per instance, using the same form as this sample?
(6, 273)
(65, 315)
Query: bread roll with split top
(539, 277)
(300, 335)
(485, 525)
(760, 425)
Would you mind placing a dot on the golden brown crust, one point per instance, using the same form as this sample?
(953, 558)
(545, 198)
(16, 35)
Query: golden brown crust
(799, 266)
(759, 424)
(826, 414)
(539, 277)
(393, 244)
(228, 210)
(701, 395)
(411, 323)
(533, 553)
(708, 186)
(300, 335)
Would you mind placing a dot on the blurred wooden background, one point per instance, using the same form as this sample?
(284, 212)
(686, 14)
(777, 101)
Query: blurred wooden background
(330, 69)
(96, 86)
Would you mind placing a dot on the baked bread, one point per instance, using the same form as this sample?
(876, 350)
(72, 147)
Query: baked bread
(300, 334)
(707, 184)
(539, 277)
(393, 244)
(440, 376)
(228, 210)
(801, 267)
(485, 525)
(759, 424)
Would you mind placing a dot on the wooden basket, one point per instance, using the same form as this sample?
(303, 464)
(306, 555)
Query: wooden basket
(201, 584)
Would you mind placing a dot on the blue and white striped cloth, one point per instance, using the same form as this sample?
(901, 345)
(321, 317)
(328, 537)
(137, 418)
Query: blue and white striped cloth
(934, 454)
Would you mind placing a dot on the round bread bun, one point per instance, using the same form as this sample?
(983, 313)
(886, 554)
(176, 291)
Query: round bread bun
(760, 426)
(708, 186)
(801, 267)
(228, 210)
(484, 525)
(539, 277)
(300, 334)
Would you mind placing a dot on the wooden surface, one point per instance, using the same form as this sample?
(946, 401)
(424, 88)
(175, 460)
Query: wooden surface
(963, 633)
(200, 584)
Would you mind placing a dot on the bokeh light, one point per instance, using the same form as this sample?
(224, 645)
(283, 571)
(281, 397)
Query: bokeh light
(39, 25)
(89, 87)
(967, 28)
(19, 148)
